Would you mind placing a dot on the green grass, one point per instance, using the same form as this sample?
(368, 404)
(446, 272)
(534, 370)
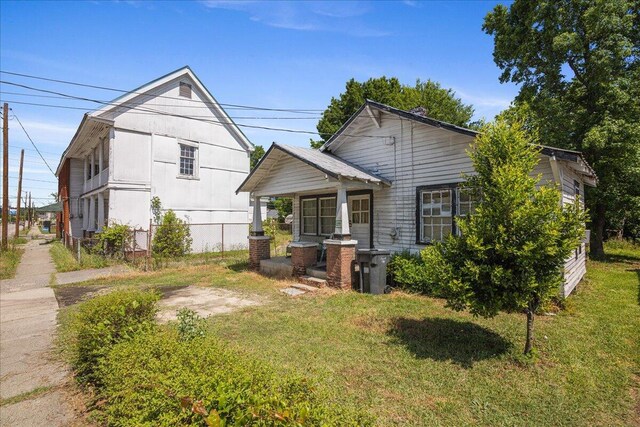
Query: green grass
(38, 391)
(10, 259)
(409, 360)
(65, 261)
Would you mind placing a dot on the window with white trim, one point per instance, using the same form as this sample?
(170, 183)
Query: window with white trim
(188, 157)
(436, 215)
(309, 216)
(327, 215)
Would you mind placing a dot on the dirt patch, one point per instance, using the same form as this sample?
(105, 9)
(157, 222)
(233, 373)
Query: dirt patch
(204, 301)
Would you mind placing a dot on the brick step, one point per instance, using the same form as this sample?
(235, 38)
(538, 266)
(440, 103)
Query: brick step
(313, 281)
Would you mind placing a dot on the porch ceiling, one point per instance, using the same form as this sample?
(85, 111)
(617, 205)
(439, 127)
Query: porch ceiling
(91, 128)
(314, 171)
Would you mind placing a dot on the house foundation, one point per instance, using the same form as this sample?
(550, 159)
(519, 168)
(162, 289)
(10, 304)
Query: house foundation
(341, 256)
(303, 255)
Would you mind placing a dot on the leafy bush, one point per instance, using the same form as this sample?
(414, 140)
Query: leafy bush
(172, 238)
(407, 272)
(100, 323)
(114, 238)
(158, 379)
(190, 324)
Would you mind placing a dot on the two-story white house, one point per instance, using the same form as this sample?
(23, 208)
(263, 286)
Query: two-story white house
(169, 138)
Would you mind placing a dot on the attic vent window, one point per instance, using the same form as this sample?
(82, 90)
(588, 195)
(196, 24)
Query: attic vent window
(185, 89)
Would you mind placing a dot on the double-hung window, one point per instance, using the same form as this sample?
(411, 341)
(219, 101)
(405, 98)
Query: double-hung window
(318, 215)
(438, 208)
(436, 215)
(327, 215)
(309, 216)
(188, 161)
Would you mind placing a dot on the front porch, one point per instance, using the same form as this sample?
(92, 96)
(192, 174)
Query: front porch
(332, 213)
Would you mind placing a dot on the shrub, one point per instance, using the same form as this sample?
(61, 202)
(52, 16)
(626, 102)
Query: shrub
(114, 238)
(157, 379)
(407, 272)
(190, 324)
(172, 238)
(100, 323)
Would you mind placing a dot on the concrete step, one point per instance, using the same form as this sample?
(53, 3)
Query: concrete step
(304, 287)
(320, 273)
(313, 281)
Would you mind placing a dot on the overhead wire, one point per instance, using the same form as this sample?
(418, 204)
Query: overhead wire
(240, 106)
(32, 143)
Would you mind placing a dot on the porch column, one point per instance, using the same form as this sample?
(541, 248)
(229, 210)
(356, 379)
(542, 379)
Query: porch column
(85, 212)
(100, 211)
(342, 230)
(100, 161)
(259, 244)
(93, 162)
(92, 214)
(341, 250)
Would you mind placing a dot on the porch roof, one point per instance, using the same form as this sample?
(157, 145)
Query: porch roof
(326, 163)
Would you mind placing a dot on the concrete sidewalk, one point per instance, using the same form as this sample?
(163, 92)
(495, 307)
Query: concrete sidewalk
(28, 310)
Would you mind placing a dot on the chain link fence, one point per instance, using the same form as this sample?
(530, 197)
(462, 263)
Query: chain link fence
(220, 239)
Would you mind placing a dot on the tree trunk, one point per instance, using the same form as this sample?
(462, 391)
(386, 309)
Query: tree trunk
(597, 234)
(529, 344)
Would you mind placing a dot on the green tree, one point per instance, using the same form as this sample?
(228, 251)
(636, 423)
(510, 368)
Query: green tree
(509, 255)
(440, 103)
(284, 206)
(172, 238)
(578, 66)
(156, 209)
(256, 155)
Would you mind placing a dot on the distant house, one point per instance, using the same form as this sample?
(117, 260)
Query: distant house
(168, 138)
(388, 179)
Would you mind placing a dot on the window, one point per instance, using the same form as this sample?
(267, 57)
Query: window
(187, 160)
(105, 154)
(310, 216)
(436, 215)
(185, 90)
(327, 215)
(360, 211)
(576, 188)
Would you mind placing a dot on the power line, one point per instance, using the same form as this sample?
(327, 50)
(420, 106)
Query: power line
(240, 106)
(215, 122)
(39, 180)
(68, 107)
(33, 143)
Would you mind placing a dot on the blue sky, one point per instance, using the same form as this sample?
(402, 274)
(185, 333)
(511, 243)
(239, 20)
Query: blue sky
(274, 54)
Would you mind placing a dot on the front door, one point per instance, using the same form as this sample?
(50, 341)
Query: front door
(360, 219)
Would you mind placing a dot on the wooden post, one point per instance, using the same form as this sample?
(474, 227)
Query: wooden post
(17, 234)
(5, 176)
(29, 210)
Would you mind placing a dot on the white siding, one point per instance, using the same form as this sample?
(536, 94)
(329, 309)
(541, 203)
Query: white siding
(421, 155)
(76, 183)
(576, 266)
(144, 162)
(291, 175)
(425, 155)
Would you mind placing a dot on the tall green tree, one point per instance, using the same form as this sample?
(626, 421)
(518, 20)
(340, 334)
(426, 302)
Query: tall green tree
(510, 254)
(440, 103)
(256, 155)
(578, 66)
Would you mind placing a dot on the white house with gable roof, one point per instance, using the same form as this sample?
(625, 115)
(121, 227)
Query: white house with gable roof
(169, 138)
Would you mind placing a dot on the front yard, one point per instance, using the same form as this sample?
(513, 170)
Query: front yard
(408, 360)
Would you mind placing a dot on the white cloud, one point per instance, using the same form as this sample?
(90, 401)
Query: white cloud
(339, 17)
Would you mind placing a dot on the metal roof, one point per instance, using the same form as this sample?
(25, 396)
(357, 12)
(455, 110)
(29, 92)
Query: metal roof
(324, 162)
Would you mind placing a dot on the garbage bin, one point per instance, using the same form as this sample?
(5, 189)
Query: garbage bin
(373, 270)
(46, 226)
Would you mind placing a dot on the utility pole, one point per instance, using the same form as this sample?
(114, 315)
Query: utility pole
(5, 176)
(29, 210)
(19, 195)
